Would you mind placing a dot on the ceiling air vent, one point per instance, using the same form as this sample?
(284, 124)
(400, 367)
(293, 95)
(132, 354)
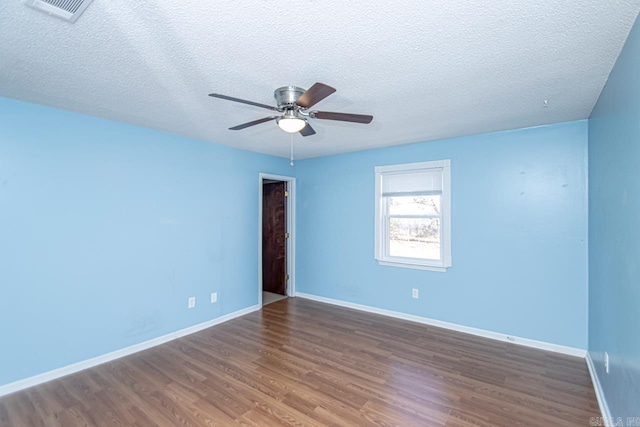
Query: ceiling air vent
(69, 10)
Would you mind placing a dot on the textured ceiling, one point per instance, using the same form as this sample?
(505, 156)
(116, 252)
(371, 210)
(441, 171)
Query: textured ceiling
(423, 69)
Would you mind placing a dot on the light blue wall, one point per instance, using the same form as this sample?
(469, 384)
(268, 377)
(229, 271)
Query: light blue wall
(519, 233)
(106, 229)
(614, 232)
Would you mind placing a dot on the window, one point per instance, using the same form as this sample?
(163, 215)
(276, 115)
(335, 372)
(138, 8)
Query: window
(413, 215)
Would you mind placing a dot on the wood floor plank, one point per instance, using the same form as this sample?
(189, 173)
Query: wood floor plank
(303, 363)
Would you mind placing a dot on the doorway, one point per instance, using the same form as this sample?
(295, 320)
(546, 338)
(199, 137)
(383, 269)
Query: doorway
(276, 240)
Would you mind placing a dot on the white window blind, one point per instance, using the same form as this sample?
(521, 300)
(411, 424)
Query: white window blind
(412, 183)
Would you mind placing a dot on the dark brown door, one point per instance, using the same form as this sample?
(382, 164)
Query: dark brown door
(274, 242)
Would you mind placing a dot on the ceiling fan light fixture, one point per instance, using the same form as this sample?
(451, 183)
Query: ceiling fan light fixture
(291, 124)
(294, 105)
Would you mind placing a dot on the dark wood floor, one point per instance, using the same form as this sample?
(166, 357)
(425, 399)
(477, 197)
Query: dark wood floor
(299, 362)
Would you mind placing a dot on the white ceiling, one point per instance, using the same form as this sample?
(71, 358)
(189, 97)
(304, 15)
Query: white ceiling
(424, 69)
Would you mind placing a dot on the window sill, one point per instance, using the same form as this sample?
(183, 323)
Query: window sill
(414, 266)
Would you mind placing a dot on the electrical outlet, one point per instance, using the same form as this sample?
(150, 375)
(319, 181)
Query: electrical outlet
(415, 293)
(214, 297)
(192, 302)
(606, 362)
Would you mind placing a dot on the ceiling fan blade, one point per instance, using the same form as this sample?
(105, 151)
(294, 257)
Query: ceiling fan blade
(314, 94)
(307, 130)
(253, 123)
(343, 117)
(243, 101)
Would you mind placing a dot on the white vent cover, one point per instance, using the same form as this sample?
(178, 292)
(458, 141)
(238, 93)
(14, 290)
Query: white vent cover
(68, 10)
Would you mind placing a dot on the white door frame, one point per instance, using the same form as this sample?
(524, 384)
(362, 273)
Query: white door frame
(290, 227)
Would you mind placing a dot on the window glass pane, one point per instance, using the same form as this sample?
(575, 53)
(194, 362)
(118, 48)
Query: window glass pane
(414, 238)
(414, 205)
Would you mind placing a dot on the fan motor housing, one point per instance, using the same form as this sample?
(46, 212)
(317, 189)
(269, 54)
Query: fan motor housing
(287, 96)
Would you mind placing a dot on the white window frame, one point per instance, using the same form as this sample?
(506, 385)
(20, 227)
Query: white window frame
(381, 227)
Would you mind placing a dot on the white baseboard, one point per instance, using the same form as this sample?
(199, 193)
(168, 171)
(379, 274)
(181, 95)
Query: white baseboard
(89, 363)
(571, 351)
(597, 387)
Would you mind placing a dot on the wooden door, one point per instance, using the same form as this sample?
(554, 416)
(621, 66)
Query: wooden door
(274, 241)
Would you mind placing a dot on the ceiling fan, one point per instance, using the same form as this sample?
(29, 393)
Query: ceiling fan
(293, 109)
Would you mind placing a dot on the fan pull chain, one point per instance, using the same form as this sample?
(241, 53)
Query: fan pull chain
(291, 163)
